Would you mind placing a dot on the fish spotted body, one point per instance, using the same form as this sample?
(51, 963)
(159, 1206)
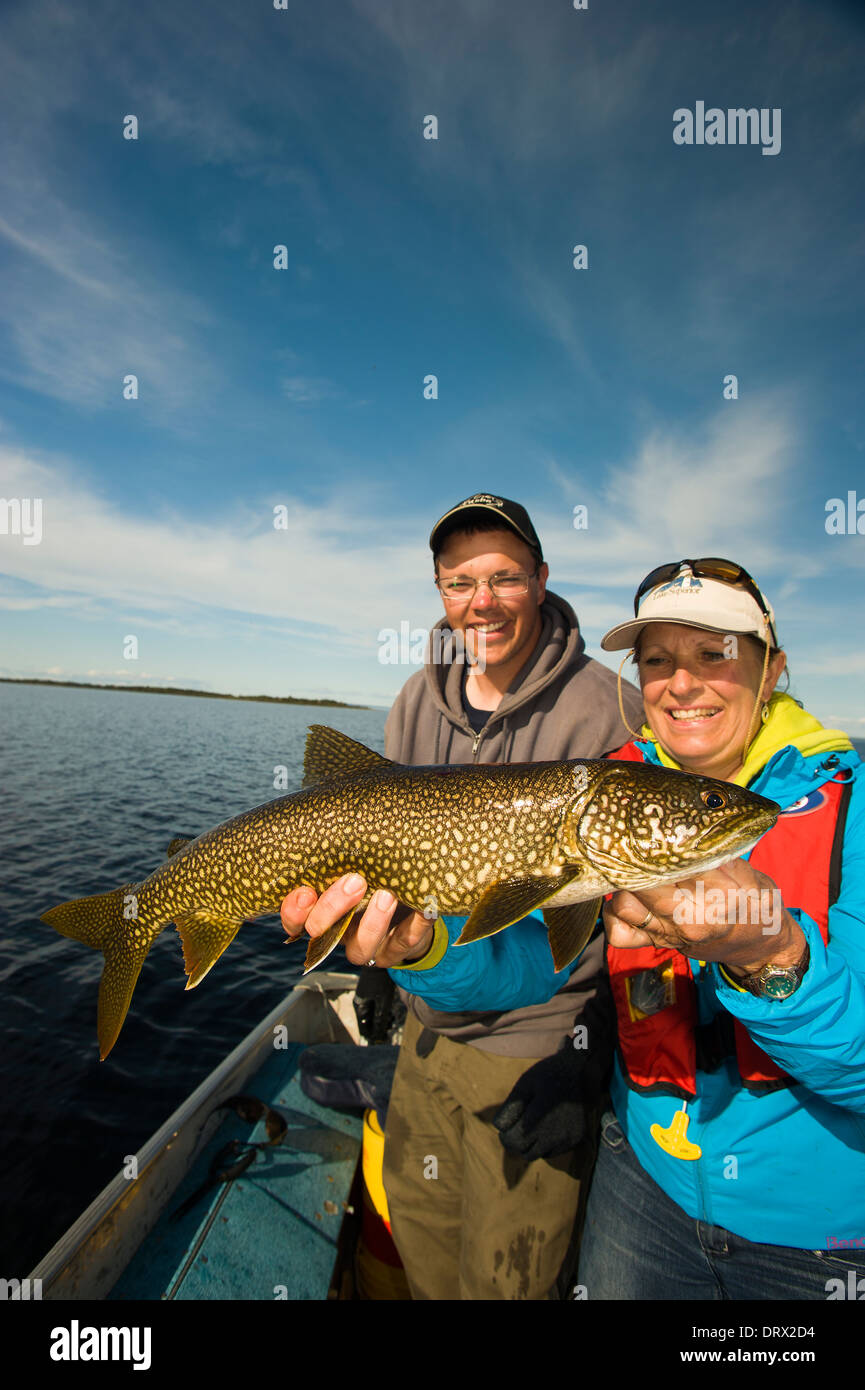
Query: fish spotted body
(491, 842)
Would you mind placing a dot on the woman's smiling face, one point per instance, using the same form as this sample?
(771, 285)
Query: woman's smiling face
(699, 689)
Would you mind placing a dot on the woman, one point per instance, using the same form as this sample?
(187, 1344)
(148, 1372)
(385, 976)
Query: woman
(753, 1186)
(732, 1163)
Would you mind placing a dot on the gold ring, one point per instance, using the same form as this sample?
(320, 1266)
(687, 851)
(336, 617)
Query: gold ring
(642, 926)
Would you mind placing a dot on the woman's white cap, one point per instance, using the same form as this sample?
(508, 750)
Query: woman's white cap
(693, 602)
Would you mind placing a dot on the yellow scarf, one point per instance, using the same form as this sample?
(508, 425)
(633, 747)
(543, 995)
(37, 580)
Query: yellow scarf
(786, 725)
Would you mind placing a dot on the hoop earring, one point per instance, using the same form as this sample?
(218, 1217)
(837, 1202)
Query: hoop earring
(764, 713)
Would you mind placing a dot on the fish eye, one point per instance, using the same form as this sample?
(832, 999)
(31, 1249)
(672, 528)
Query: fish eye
(714, 800)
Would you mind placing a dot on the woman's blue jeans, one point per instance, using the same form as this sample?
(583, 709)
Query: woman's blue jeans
(639, 1244)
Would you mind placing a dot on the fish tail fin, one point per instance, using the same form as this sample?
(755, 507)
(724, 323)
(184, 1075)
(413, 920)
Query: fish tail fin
(111, 923)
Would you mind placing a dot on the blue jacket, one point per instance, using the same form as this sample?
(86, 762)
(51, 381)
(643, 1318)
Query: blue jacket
(786, 1168)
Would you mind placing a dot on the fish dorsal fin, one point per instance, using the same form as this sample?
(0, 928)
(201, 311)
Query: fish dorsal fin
(332, 754)
(177, 844)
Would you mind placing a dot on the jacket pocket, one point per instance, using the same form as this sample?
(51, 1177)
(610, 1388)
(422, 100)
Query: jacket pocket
(838, 1261)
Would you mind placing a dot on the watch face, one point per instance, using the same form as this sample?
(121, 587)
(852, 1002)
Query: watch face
(778, 986)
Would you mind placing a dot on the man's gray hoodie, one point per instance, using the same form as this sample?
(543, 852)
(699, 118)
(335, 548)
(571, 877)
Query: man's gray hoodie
(561, 705)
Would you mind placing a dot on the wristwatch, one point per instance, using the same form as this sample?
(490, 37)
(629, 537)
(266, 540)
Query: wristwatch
(775, 981)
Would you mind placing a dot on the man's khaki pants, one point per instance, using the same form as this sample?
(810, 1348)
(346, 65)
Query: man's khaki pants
(469, 1220)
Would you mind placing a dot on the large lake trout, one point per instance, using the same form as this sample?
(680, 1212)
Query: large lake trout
(489, 842)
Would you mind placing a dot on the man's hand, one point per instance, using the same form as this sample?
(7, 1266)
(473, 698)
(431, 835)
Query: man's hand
(372, 937)
(732, 914)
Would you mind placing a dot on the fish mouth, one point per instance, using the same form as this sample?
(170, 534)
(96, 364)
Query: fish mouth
(730, 832)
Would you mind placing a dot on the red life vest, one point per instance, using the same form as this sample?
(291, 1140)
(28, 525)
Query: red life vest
(662, 1051)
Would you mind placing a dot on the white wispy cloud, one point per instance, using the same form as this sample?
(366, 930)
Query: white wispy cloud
(81, 314)
(308, 390)
(318, 571)
(704, 490)
(340, 567)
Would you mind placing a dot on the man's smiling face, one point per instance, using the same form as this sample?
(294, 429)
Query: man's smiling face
(502, 632)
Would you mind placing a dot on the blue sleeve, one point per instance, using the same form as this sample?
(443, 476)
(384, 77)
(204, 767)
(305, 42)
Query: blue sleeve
(818, 1034)
(510, 970)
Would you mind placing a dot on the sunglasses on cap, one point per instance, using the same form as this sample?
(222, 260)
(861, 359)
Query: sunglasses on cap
(725, 571)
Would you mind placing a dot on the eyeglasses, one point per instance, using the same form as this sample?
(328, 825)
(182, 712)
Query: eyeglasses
(725, 571)
(462, 587)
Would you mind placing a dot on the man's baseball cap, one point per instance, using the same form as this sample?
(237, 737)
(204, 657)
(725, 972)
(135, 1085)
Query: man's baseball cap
(697, 600)
(483, 504)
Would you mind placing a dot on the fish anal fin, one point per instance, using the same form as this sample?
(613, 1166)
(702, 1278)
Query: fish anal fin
(506, 902)
(330, 754)
(321, 946)
(569, 928)
(205, 935)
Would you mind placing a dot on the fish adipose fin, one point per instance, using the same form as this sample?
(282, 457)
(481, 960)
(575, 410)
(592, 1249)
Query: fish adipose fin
(321, 946)
(205, 935)
(505, 903)
(331, 754)
(110, 923)
(569, 928)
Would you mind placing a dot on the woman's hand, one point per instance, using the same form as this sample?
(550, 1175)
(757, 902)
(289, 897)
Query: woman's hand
(371, 939)
(732, 914)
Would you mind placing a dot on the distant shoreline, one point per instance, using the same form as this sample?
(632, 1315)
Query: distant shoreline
(169, 690)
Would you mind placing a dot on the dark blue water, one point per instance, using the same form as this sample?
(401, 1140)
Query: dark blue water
(94, 784)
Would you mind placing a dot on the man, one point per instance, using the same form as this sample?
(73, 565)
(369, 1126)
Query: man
(470, 1220)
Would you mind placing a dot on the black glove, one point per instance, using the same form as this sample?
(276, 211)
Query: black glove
(373, 1003)
(548, 1110)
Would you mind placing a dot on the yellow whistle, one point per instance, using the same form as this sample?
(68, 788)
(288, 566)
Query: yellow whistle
(675, 1140)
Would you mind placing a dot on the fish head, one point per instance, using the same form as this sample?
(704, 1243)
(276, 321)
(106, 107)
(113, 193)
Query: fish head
(640, 824)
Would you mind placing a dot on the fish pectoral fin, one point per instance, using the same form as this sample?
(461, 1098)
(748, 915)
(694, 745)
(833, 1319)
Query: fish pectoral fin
(321, 946)
(177, 844)
(205, 935)
(331, 754)
(569, 928)
(506, 902)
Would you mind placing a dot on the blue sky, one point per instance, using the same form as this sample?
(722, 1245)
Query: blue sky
(303, 387)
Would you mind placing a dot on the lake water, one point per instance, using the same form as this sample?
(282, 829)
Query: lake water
(94, 785)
